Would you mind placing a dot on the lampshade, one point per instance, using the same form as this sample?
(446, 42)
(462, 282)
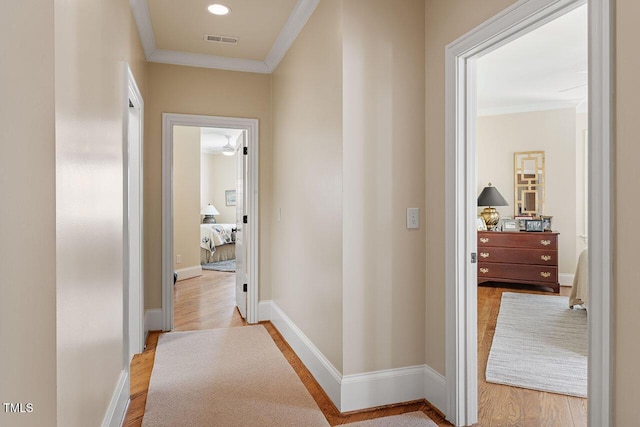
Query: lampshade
(209, 210)
(490, 196)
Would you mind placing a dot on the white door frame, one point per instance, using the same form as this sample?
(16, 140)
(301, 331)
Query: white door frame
(133, 228)
(461, 294)
(169, 120)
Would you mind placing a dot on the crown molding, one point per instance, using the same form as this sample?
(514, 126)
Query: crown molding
(527, 108)
(296, 21)
(208, 61)
(140, 10)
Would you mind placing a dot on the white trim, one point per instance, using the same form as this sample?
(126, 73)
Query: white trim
(322, 370)
(461, 330)
(189, 272)
(152, 321)
(300, 14)
(527, 108)
(264, 310)
(133, 323)
(296, 21)
(435, 388)
(208, 61)
(357, 391)
(601, 211)
(169, 120)
(117, 409)
(565, 279)
(140, 9)
(379, 388)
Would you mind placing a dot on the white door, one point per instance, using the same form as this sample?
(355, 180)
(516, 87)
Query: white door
(242, 228)
(134, 233)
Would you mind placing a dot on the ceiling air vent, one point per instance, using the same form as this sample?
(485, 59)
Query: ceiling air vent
(221, 39)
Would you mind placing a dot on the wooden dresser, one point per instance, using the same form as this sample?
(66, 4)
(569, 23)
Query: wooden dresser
(518, 257)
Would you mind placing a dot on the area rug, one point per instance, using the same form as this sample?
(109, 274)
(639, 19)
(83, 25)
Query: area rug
(541, 344)
(228, 266)
(410, 419)
(226, 377)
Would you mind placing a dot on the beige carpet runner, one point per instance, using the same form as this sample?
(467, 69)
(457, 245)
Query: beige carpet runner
(226, 377)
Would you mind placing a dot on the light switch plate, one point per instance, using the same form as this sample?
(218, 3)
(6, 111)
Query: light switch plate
(413, 218)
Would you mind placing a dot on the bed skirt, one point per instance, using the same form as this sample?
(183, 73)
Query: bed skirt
(222, 253)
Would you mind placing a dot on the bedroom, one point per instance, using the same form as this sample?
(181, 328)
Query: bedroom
(204, 188)
(532, 97)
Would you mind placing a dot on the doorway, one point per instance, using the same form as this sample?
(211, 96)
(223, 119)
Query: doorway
(461, 273)
(246, 230)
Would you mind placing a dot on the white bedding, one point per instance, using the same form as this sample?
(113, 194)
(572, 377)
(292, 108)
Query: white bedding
(579, 291)
(212, 235)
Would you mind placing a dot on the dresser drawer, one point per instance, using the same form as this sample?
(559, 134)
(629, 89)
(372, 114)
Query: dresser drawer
(532, 273)
(518, 256)
(518, 240)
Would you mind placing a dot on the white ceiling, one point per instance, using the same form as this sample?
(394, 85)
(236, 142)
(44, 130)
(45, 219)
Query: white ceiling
(213, 139)
(545, 69)
(173, 31)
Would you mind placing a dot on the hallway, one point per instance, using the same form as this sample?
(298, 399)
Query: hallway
(208, 302)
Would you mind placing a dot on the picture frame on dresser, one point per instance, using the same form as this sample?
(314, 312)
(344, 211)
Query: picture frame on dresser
(509, 224)
(534, 225)
(522, 221)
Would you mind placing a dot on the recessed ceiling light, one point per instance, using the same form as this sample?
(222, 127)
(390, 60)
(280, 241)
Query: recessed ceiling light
(218, 9)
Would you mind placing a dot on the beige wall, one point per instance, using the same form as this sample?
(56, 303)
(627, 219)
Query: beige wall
(626, 292)
(383, 174)
(445, 22)
(186, 196)
(93, 39)
(27, 213)
(191, 90)
(307, 181)
(218, 174)
(552, 131)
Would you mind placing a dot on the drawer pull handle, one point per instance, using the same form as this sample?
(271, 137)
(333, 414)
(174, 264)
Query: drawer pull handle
(545, 242)
(545, 257)
(484, 270)
(484, 239)
(484, 254)
(545, 274)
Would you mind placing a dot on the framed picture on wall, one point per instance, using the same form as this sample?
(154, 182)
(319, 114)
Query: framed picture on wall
(230, 197)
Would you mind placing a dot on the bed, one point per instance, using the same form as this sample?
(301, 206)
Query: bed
(579, 292)
(217, 242)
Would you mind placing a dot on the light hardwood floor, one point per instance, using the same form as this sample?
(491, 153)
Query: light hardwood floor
(502, 405)
(208, 302)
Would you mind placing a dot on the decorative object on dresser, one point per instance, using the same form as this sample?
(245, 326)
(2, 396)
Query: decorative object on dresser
(489, 197)
(517, 257)
(209, 211)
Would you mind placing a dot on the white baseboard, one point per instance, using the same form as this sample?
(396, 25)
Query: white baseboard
(371, 389)
(322, 370)
(358, 391)
(189, 272)
(565, 279)
(117, 409)
(152, 321)
(264, 310)
(435, 389)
